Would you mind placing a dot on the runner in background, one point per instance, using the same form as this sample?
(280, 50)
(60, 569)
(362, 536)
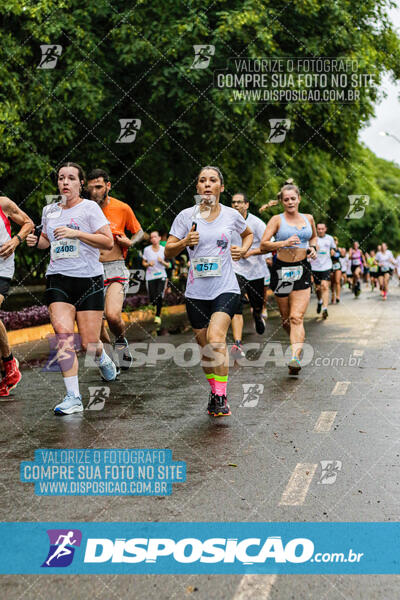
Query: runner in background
(295, 238)
(398, 267)
(343, 265)
(322, 267)
(267, 282)
(336, 276)
(8, 244)
(250, 273)
(156, 275)
(357, 261)
(170, 268)
(212, 291)
(386, 262)
(373, 268)
(116, 276)
(75, 231)
(349, 273)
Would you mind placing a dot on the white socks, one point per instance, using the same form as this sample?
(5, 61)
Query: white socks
(72, 384)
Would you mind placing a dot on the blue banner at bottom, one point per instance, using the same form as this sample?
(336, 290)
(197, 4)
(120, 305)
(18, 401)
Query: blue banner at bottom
(194, 548)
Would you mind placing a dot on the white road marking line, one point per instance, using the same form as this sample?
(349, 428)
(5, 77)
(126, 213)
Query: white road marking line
(325, 421)
(340, 388)
(255, 587)
(299, 482)
(358, 352)
(363, 342)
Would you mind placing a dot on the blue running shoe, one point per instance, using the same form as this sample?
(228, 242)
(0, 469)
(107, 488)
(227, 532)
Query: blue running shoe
(108, 370)
(71, 404)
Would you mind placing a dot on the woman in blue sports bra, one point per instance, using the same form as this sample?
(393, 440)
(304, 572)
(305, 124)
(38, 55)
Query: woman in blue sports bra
(295, 240)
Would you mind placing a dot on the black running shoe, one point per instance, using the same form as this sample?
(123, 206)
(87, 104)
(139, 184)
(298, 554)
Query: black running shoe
(337, 300)
(319, 307)
(124, 356)
(294, 366)
(325, 313)
(211, 404)
(221, 407)
(259, 323)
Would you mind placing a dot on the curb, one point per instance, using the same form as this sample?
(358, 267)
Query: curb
(40, 332)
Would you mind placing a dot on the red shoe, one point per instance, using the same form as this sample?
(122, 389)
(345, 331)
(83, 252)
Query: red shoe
(12, 377)
(4, 391)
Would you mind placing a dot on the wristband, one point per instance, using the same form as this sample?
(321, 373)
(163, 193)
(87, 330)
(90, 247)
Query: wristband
(19, 237)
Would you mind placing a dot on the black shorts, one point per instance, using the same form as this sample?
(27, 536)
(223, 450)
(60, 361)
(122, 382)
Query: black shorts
(354, 267)
(382, 273)
(282, 285)
(85, 293)
(156, 289)
(321, 276)
(5, 283)
(254, 288)
(199, 312)
(374, 273)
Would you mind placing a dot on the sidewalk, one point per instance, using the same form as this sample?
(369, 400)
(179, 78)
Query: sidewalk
(40, 332)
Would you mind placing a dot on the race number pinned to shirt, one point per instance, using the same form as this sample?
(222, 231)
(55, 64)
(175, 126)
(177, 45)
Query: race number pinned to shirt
(66, 248)
(292, 273)
(207, 266)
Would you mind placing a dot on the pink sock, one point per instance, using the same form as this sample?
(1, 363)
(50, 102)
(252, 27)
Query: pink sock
(211, 381)
(220, 388)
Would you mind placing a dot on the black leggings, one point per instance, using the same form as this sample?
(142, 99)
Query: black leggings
(156, 289)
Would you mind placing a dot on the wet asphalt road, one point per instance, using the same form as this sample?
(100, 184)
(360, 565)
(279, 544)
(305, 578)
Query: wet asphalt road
(356, 356)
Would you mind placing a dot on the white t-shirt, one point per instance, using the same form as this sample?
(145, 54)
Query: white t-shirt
(384, 260)
(73, 257)
(254, 266)
(157, 271)
(343, 263)
(323, 262)
(6, 264)
(215, 242)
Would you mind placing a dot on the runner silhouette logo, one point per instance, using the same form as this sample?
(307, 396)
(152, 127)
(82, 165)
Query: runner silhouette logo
(50, 56)
(357, 206)
(202, 56)
(279, 129)
(62, 547)
(129, 129)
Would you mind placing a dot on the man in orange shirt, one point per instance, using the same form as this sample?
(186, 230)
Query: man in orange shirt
(116, 276)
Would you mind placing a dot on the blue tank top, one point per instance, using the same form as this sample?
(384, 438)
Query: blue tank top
(285, 231)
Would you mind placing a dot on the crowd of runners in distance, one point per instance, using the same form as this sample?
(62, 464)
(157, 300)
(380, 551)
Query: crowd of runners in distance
(225, 256)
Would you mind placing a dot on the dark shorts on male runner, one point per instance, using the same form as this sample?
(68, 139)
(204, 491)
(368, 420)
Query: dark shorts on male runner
(321, 276)
(5, 283)
(254, 288)
(282, 288)
(85, 293)
(200, 311)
